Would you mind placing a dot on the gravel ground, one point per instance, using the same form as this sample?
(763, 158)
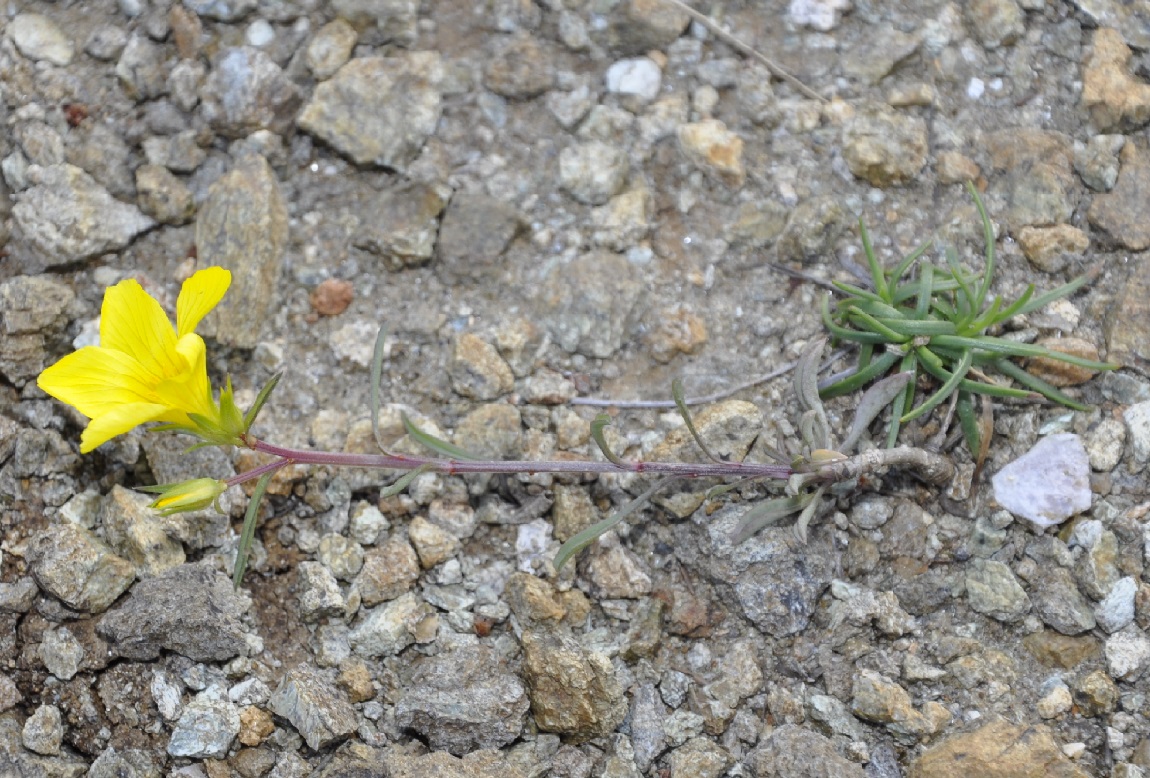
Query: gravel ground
(544, 200)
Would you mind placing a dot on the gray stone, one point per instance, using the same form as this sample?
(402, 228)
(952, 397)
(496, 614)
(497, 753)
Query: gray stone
(404, 225)
(791, 751)
(1115, 212)
(376, 110)
(573, 690)
(1116, 611)
(996, 22)
(205, 729)
(106, 42)
(318, 592)
(317, 709)
(700, 757)
(33, 314)
(812, 230)
(475, 231)
(993, 590)
(330, 48)
(72, 564)
(41, 39)
(390, 628)
(520, 68)
(243, 226)
(44, 731)
(18, 596)
(388, 571)
(138, 534)
(1096, 161)
(1048, 484)
(592, 172)
(9, 695)
(221, 10)
(880, 52)
(1095, 571)
(342, 556)
(247, 91)
(617, 573)
(66, 217)
(102, 153)
(61, 653)
(638, 26)
(162, 196)
(639, 77)
(590, 303)
(646, 720)
(142, 69)
(126, 763)
(463, 701)
(192, 610)
(885, 148)
(1058, 602)
(1038, 182)
(381, 21)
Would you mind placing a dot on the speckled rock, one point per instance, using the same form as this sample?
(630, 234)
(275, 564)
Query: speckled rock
(315, 707)
(591, 302)
(330, 48)
(66, 217)
(1038, 180)
(388, 571)
(475, 231)
(638, 26)
(885, 148)
(1115, 99)
(1096, 693)
(573, 690)
(61, 653)
(205, 729)
(1116, 212)
(433, 544)
(624, 221)
(463, 701)
(404, 225)
(520, 68)
(138, 534)
(1048, 484)
(715, 149)
(1127, 321)
(1116, 611)
(812, 230)
(1096, 160)
(477, 371)
(39, 38)
(616, 572)
(381, 21)
(997, 750)
(72, 564)
(700, 757)
(792, 751)
(33, 313)
(880, 700)
(592, 171)
(1059, 373)
(162, 196)
(1058, 602)
(377, 110)
(247, 91)
(493, 431)
(1127, 654)
(993, 590)
(996, 22)
(318, 592)
(479, 764)
(390, 628)
(192, 610)
(44, 731)
(242, 225)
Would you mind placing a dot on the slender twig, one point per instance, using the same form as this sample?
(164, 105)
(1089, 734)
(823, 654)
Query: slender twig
(771, 65)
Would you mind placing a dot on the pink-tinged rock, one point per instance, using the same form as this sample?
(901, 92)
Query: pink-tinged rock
(1048, 484)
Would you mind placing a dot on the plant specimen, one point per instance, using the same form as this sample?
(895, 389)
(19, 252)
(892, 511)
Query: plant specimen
(939, 321)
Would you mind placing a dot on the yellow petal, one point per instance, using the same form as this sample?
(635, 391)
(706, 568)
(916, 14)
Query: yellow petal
(189, 390)
(199, 294)
(97, 380)
(118, 421)
(133, 322)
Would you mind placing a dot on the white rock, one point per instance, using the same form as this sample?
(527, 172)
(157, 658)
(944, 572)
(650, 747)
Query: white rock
(1137, 419)
(639, 76)
(39, 38)
(1048, 484)
(1117, 610)
(1127, 654)
(820, 15)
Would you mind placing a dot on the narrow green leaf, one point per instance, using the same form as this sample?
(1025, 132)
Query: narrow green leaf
(925, 291)
(403, 481)
(862, 377)
(597, 424)
(945, 391)
(988, 238)
(876, 271)
(1054, 294)
(902, 400)
(964, 301)
(1015, 349)
(856, 291)
(968, 421)
(804, 520)
(581, 540)
(900, 270)
(243, 550)
(1008, 368)
(1013, 309)
(843, 333)
(441, 447)
(922, 328)
(875, 326)
(681, 404)
(807, 375)
(261, 398)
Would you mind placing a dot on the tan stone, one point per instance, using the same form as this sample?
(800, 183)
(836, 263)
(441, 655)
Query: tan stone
(1113, 97)
(1046, 246)
(1060, 373)
(997, 750)
(716, 149)
(955, 168)
(255, 725)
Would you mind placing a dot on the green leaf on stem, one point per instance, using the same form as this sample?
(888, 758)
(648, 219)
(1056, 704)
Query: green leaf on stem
(597, 424)
(243, 550)
(441, 447)
(581, 540)
(681, 404)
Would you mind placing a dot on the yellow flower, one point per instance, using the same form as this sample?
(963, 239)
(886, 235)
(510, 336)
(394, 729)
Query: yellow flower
(187, 495)
(143, 370)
